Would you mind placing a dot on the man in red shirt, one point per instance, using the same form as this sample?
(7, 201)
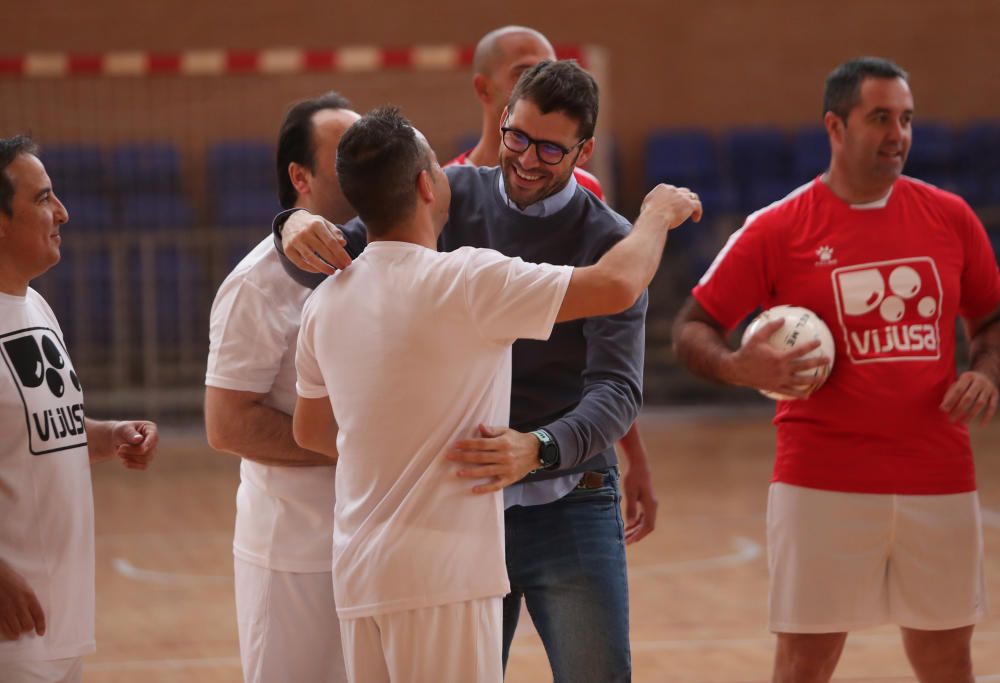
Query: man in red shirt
(873, 515)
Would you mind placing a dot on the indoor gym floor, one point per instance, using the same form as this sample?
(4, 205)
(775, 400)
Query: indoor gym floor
(698, 584)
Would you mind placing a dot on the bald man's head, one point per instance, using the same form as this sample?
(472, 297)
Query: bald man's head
(503, 44)
(500, 59)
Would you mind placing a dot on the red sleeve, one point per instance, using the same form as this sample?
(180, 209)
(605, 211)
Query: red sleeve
(742, 275)
(980, 276)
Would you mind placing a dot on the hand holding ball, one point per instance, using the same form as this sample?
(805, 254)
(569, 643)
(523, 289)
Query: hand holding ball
(801, 327)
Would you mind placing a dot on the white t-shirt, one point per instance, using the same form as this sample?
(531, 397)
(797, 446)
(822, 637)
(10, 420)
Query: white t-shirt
(284, 515)
(412, 347)
(46, 500)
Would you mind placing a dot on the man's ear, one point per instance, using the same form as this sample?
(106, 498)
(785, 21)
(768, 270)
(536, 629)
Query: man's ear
(586, 151)
(299, 175)
(481, 85)
(425, 186)
(834, 127)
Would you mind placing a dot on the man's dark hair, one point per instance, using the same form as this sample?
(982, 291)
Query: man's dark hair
(561, 86)
(378, 161)
(843, 85)
(10, 149)
(296, 143)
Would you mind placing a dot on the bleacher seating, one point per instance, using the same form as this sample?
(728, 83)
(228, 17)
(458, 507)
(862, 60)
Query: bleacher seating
(242, 183)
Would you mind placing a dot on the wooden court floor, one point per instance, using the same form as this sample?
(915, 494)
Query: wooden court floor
(698, 584)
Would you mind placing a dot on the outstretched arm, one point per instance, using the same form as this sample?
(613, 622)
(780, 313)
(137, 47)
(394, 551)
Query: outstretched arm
(624, 271)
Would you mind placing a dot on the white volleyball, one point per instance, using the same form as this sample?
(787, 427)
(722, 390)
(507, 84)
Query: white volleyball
(802, 326)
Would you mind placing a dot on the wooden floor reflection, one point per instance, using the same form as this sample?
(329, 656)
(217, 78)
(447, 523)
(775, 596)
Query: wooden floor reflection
(698, 584)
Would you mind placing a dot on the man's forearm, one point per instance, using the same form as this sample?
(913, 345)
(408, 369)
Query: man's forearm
(99, 442)
(259, 433)
(984, 351)
(702, 349)
(636, 258)
(612, 386)
(602, 417)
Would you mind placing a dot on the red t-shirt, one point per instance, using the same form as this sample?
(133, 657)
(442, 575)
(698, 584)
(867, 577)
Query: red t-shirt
(586, 179)
(889, 281)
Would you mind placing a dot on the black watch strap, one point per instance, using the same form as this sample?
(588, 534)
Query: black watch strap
(548, 450)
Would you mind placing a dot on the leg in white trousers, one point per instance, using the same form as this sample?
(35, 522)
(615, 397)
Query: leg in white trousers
(453, 643)
(288, 626)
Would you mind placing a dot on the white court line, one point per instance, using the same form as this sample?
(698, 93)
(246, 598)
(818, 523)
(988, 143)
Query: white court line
(758, 641)
(130, 571)
(746, 551)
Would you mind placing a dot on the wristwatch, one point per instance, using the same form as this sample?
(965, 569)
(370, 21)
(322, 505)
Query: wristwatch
(548, 451)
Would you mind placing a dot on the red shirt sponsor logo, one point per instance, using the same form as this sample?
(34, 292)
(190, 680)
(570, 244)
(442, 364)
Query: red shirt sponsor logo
(889, 310)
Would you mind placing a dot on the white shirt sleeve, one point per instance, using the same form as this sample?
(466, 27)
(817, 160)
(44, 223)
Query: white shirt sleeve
(510, 299)
(247, 339)
(309, 382)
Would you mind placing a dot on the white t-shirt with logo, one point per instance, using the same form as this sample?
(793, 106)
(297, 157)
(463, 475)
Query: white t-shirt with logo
(284, 515)
(46, 500)
(412, 347)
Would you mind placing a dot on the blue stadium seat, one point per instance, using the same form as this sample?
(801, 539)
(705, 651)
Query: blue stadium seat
(688, 157)
(177, 284)
(810, 153)
(760, 193)
(76, 169)
(155, 212)
(757, 157)
(933, 153)
(681, 157)
(146, 167)
(977, 167)
(979, 148)
(88, 213)
(253, 209)
(241, 166)
(90, 325)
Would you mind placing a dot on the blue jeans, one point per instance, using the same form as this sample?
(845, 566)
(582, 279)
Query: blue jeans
(566, 559)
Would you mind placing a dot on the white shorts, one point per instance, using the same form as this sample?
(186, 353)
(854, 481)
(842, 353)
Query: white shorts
(45, 671)
(842, 561)
(288, 626)
(459, 641)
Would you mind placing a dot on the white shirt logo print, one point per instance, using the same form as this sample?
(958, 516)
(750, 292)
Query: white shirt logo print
(825, 256)
(49, 388)
(889, 310)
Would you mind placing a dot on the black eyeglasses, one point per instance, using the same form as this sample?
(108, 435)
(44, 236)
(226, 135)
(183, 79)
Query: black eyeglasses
(548, 152)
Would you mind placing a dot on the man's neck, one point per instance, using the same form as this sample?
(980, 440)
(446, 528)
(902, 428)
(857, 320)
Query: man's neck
(12, 284)
(419, 232)
(12, 280)
(840, 183)
(487, 150)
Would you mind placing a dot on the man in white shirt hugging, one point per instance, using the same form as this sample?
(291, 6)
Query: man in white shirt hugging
(401, 354)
